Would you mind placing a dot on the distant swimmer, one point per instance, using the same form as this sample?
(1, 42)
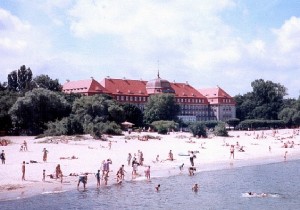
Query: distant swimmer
(157, 187)
(195, 188)
(260, 195)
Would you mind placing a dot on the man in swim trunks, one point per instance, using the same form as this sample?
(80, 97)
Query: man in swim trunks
(83, 179)
(192, 156)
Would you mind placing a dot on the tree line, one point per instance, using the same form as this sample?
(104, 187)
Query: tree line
(36, 105)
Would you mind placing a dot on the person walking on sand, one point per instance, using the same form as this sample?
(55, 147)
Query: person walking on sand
(192, 156)
(171, 157)
(2, 156)
(109, 145)
(23, 171)
(129, 158)
(44, 175)
(45, 155)
(232, 151)
(57, 171)
(97, 175)
(25, 146)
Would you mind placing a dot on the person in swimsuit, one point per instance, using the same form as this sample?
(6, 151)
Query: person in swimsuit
(83, 179)
(129, 158)
(98, 178)
(195, 188)
(147, 173)
(232, 151)
(2, 156)
(45, 154)
(44, 175)
(23, 171)
(192, 156)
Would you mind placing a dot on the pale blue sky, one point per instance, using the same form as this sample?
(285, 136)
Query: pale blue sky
(229, 43)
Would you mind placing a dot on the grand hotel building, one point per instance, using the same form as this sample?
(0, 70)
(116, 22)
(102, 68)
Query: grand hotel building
(196, 104)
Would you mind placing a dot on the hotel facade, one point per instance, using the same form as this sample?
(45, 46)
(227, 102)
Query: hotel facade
(196, 104)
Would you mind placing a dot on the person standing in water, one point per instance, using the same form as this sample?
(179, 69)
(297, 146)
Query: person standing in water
(98, 178)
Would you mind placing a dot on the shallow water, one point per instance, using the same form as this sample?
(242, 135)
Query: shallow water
(219, 189)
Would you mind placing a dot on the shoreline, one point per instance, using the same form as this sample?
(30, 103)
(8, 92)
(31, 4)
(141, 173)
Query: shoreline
(213, 155)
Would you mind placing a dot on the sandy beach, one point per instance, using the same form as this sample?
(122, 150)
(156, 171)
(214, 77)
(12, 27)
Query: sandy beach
(83, 154)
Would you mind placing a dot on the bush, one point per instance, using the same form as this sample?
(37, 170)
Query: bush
(259, 124)
(111, 128)
(163, 126)
(198, 129)
(220, 130)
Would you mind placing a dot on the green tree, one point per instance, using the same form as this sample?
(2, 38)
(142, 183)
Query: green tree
(133, 114)
(44, 81)
(7, 100)
(264, 102)
(161, 107)
(37, 108)
(20, 80)
(90, 110)
(287, 115)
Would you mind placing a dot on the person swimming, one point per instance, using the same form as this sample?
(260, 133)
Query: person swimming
(157, 187)
(195, 188)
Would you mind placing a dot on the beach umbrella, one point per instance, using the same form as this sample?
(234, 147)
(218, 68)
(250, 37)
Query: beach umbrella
(127, 124)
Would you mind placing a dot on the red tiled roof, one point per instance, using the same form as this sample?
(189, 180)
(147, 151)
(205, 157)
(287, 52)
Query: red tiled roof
(185, 90)
(216, 95)
(84, 86)
(125, 86)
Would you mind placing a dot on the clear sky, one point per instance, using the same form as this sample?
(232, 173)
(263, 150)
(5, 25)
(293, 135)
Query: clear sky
(228, 43)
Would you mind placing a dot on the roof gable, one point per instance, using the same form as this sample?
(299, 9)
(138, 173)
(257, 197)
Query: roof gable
(84, 86)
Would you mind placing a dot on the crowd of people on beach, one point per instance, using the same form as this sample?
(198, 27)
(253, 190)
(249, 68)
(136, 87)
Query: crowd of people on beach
(136, 161)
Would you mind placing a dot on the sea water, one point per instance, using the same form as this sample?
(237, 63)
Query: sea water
(219, 189)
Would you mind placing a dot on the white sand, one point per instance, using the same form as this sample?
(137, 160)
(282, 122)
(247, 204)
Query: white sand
(213, 154)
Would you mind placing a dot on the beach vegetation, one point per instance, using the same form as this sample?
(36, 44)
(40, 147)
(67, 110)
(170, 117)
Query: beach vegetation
(198, 129)
(36, 108)
(7, 100)
(220, 129)
(260, 124)
(164, 126)
(290, 116)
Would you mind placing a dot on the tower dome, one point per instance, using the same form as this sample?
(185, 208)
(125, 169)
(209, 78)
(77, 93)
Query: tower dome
(159, 85)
